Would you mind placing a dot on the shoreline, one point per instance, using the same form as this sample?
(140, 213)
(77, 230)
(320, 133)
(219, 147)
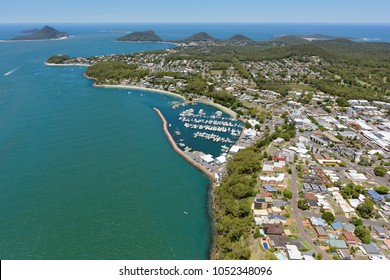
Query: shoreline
(224, 109)
(202, 169)
(70, 64)
(141, 88)
(180, 152)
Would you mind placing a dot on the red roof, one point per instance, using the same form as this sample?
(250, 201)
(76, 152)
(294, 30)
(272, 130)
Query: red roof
(387, 243)
(310, 196)
(265, 194)
(349, 237)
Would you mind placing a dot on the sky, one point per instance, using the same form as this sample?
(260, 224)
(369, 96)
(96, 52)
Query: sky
(292, 11)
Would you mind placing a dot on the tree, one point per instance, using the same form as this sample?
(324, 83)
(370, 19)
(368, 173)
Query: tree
(363, 234)
(302, 204)
(342, 102)
(299, 168)
(380, 171)
(328, 217)
(287, 194)
(248, 125)
(382, 190)
(365, 209)
(356, 221)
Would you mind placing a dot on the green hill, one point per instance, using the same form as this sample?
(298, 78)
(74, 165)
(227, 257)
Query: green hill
(199, 37)
(144, 36)
(239, 38)
(45, 33)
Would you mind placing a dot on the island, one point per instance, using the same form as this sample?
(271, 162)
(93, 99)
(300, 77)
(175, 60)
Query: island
(144, 36)
(45, 33)
(199, 37)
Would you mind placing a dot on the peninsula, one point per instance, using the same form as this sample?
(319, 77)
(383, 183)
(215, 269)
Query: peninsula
(45, 33)
(309, 175)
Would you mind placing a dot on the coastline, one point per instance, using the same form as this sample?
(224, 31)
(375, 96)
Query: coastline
(180, 152)
(141, 88)
(70, 64)
(202, 169)
(226, 110)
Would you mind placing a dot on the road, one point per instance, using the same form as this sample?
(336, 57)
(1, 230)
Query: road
(297, 213)
(344, 219)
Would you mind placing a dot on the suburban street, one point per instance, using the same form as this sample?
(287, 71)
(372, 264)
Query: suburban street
(297, 213)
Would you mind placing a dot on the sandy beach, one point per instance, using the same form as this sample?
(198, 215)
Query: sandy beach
(70, 64)
(143, 88)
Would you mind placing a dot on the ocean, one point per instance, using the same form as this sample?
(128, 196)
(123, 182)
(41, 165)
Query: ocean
(87, 173)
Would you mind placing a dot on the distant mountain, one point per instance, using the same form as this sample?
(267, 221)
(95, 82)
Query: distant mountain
(239, 38)
(319, 37)
(289, 40)
(45, 33)
(148, 36)
(199, 37)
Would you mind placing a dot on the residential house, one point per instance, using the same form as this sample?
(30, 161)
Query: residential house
(337, 243)
(293, 252)
(321, 233)
(381, 232)
(279, 241)
(317, 222)
(350, 238)
(273, 229)
(370, 249)
(344, 254)
(337, 226)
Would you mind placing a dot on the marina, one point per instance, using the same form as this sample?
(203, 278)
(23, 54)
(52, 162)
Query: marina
(199, 128)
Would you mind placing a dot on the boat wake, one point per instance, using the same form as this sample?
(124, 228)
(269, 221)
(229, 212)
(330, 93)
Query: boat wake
(10, 72)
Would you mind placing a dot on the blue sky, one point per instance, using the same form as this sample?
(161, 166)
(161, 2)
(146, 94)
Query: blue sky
(300, 11)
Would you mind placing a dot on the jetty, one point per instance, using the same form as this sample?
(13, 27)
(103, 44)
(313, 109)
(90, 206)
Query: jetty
(182, 153)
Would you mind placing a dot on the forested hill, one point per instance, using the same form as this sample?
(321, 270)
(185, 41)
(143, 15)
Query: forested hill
(45, 33)
(144, 36)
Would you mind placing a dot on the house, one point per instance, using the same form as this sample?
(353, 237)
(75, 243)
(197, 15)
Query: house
(276, 180)
(279, 241)
(278, 141)
(370, 249)
(268, 168)
(374, 195)
(269, 188)
(387, 243)
(337, 226)
(338, 243)
(349, 227)
(317, 222)
(381, 232)
(344, 254)
(310, 196)
(308, 258)
(293, 252)
(313, 204)
(321, 233)
(262, 202)
(273, 229)
(279, 166)
(350, 238)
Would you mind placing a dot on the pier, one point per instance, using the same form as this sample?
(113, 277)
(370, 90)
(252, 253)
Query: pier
(186, 156)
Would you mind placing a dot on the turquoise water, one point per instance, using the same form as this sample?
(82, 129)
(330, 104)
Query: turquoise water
(87, 173)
